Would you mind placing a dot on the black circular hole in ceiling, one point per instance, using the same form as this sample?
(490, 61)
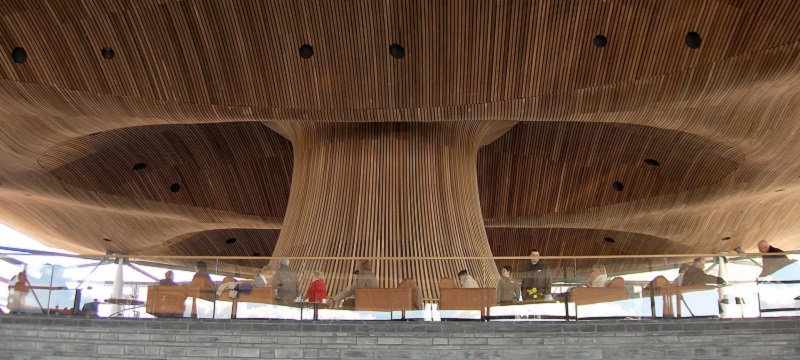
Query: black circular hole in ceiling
(397, 51)
(175, 187)
(618, 186)
(726, 238)
(693, 40)
(230, 241)
(107, 240)
(19, 55)
(306, 51)
(256, 254)
(600, 41)
(139, 166)
(609, 240)
(107, 52)
(652, 162)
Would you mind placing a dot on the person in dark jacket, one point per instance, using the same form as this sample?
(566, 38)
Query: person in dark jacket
(696, 276)
(168, 280)
(536, 277)
(772, 263)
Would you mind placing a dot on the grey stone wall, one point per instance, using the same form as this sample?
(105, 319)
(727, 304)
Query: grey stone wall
(59, 337)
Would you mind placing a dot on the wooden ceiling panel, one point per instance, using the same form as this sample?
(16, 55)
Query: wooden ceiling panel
(239, 167)
(245, 53)
(193, 84)
(557, 167)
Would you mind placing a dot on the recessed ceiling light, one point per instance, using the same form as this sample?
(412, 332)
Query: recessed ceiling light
(107, 240)
(609, 240)
(397, 51)
(600, 41)
(175, 187)
(306, 51)
(107, 52)
(256, 254)
(19, 55)
(693, 40)
(139, 166)
(618, 186)
(230, 241)
(652, 162)
(726, 238)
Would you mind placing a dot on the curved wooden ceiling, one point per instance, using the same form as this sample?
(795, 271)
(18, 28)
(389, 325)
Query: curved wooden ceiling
(192, 85)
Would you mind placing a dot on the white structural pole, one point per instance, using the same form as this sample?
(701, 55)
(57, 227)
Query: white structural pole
(726, 305)
(116, 290)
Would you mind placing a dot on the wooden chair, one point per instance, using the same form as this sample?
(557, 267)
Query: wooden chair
(165, 301)
(660, 286)
(587, 295)
(447, 283)
(467, 299)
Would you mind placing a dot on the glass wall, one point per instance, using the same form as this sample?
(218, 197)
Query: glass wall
(552, 288)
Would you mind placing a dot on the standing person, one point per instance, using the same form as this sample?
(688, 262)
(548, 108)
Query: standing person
(18, 287)
(695, 275)
(772, 263)
(507, 289)
(537, 277)
(286, 283)
(317, 290)
(365, 279)
(682, 271)
(467, 282)
(169, 279)
(598, 276)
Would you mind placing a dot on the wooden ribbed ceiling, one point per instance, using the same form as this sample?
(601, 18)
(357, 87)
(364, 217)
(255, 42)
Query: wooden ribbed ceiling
(215, 97)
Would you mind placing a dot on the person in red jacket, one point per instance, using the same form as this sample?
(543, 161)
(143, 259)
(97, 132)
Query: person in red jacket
(316, 291)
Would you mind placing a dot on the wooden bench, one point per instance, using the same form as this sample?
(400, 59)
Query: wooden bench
(468, 299)
(265, 295)
(384, 299)
(615, 291)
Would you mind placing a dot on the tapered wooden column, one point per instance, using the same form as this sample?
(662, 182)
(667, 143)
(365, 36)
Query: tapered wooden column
(387, 190)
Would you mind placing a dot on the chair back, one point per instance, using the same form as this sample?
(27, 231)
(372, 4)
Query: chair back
(447, 283)
(616, 282)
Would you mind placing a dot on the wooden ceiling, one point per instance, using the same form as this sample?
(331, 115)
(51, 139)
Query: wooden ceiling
(205, 93)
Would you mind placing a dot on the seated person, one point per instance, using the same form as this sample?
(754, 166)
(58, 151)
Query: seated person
(286, 283)
(508, 290)
(679, 280)
(263, 277)
(316, 291)
(467, 282)
(168, 279)
(365, 279)
(416, 293)
(598, 276)
(259, 280)
(695, 275)
(90, 309)
(202, 281)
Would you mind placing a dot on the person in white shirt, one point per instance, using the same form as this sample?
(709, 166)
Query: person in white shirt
(598, 277)
(466, 280)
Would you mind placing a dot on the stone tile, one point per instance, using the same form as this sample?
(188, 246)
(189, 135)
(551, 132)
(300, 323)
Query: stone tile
(289, 353)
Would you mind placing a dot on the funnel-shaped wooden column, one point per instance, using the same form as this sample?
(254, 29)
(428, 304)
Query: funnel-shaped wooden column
(387, 190)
